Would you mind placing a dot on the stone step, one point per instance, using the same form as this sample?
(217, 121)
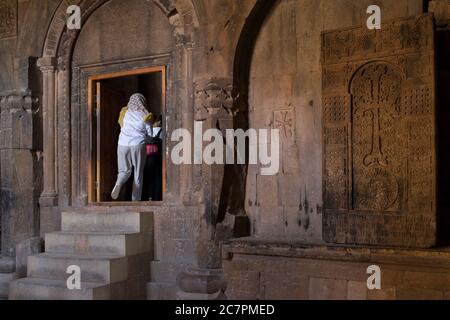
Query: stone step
(120, 244)
(128, 222)
(7, 265)
(5, 279)
(162, 271)
(103, 269)
(48, 289)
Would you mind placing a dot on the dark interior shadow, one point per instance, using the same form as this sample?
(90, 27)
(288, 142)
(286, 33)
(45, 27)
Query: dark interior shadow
(232, 198)
(443, 122)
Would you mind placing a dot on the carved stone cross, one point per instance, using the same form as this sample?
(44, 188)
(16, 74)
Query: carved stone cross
(376, 155)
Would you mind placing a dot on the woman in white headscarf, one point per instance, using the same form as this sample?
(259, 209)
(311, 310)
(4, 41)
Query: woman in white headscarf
(136, 131)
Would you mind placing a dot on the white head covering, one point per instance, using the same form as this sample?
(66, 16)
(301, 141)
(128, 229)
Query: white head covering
(138, 103)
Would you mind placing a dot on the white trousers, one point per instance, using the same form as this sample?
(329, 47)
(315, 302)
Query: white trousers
(129, 158)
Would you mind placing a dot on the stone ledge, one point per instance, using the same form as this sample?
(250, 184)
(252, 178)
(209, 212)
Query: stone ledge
(435, 258)
(7, 265)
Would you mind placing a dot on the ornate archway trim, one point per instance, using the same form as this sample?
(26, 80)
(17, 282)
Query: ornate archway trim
(181, 14)
(55, 65)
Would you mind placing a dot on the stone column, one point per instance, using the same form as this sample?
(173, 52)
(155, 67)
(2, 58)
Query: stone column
(204, 280)
(49, 197)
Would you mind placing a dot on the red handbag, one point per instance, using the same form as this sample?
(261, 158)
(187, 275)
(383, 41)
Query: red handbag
(152, 149)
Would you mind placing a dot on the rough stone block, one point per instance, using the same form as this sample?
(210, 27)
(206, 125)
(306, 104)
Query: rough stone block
(161, 291)
(5, 279)
(290, 190)
(93, 268)
(45, 289)
(24, 249)
(357, 290)
(327, 289)
(385, 293)
(418, 294)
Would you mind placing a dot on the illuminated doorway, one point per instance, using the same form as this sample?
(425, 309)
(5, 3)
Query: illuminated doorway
(108, 94)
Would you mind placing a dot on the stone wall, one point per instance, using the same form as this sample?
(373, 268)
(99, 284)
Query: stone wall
(293, 271)
(109, 35)
(21, 171)
(285, 93)
(198, 39)
(21, 39)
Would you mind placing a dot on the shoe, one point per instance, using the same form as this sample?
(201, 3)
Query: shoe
(116, 192)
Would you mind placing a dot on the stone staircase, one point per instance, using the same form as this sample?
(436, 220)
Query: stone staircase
(113, 251)
(5, 279)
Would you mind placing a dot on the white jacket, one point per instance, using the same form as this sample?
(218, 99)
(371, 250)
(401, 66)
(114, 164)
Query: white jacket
(135, 131)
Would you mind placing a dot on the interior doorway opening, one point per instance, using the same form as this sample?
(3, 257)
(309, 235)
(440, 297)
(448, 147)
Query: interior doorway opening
(443, 119)
(108, 95)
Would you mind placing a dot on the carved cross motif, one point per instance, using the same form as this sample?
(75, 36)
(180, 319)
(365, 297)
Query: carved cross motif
(379, 173)
(376, 155)
(284, 121)
(376, 97)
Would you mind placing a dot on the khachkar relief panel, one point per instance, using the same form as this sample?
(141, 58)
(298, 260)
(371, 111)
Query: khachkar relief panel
(377, 138)
(8, 18)
(379, 179)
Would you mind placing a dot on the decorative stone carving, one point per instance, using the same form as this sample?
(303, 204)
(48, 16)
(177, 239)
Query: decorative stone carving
(8, 18)
(377, 137)
(18, 121)
(213, 98)
(378, 133)
(285, 122)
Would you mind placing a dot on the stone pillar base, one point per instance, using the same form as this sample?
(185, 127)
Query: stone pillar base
(201, 284)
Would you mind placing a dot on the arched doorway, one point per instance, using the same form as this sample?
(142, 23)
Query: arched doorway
(106, 43)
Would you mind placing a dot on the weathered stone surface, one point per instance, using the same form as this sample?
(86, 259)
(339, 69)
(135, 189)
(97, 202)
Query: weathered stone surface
(198, 42)
(357, 290)
(114, 263)
(45, 289)
(441, 11)
(8, 18)
(5, 279)
(327, 289)
(25, 249)
(379, 135)
(258, 269)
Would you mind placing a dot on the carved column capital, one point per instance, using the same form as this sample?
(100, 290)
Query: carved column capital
(213, 98)
(47, 64)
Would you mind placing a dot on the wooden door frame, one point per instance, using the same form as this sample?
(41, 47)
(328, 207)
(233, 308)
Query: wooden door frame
(93, 167)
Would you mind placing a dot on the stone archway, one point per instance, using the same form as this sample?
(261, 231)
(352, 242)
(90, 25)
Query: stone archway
(59, 142)
(234, 183)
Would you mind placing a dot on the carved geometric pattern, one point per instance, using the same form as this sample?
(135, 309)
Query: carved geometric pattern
(379, 174)
(364, 43)
(399, 36)
(336, 45)
(335, 179)
(336, 136)
(417, 102)
(213, 97)
(335, 109)
(8, 18)
(334, 78)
